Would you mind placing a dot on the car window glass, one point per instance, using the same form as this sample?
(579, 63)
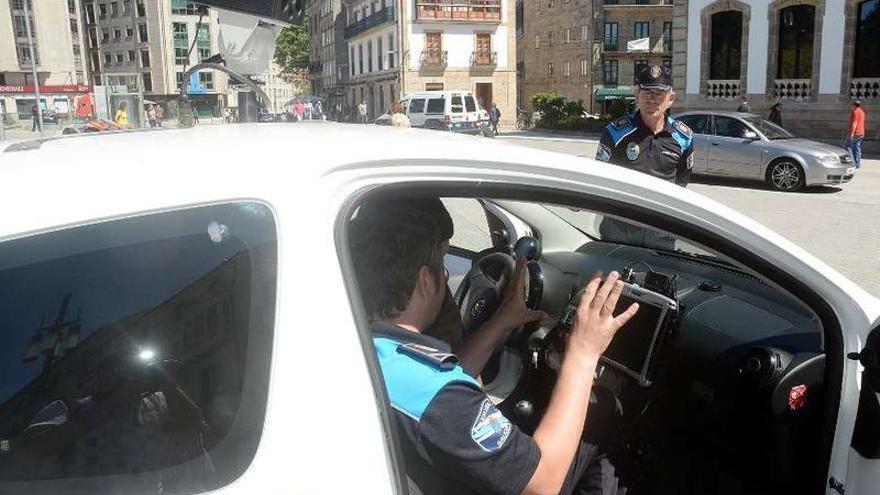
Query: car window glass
(456, 104)
(470, 104)
(729, 127)
(471, 230)
(697, 123)
(417, 105)
(135, 352)
(436, 105)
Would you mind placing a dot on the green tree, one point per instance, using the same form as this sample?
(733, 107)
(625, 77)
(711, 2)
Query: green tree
(292, 53)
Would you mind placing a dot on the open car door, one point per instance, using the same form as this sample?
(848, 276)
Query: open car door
(863, 475)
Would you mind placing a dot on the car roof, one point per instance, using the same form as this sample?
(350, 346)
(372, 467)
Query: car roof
(722, 113)
(445, 92)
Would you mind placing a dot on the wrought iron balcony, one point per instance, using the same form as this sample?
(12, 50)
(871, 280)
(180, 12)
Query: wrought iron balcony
(459, 10)
(793, 89)
(722, 89)
(865, 88)
(433, 57)
(484, 58)
(383, 15)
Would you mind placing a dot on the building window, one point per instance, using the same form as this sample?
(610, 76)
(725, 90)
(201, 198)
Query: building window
(610, 37)
(550, 39)
(360, 58)
(131, 55)
(567, 68)
(609, 72)
(95, 61)
(203, 41)
(638, 66)
(641, 29)
(183, 7)
(102, 11)
(380, 53)
(145, 58)
(351, 59)
(434, 47)
(370, 56)
(206, 80)
(391, 52)
(105, 35)
(726, 45)
(114, 9)
(568, 35)
(108, 59)
(178, 78)
(796, 27)
(129, 32)
(71, 6)
(585, 35)
(148, 81)
(181, 43)
(120, 58)
(90, 13)
(25, 56)
(142, 33)
(667, 36)
(520, 18)
(126, 6)
(93, 38)
(74, 27)
(584, 67)
(21, 27)
(867, 40)
(550, 68)
(141, 9)
(537, 41)
(117, 33)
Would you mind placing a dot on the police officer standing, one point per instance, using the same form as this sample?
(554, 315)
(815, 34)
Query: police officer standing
(648, 141)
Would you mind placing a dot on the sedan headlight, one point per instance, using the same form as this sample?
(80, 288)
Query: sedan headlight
(829, 160)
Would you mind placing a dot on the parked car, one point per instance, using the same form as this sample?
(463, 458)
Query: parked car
(182, 352)
(733, 144)
(455, 111)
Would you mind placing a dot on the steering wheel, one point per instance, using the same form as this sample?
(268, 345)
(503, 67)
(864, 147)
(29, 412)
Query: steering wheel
(482, 289)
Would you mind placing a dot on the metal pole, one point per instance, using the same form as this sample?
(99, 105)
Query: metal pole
(27, 23)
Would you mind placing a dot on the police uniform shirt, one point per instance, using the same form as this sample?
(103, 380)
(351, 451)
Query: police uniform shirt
(667, 155)
(453, 438)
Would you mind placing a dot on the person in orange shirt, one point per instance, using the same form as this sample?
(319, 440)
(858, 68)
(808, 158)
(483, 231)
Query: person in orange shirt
(856, 132)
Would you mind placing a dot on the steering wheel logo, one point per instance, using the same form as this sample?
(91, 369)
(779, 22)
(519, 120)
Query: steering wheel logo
(478, 308)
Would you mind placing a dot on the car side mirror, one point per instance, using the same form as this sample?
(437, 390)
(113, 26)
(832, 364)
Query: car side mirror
(750, 135)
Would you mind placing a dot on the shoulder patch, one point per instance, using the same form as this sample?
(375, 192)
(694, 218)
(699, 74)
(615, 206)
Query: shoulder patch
(621, 122)
(683, 128)
(490, 429)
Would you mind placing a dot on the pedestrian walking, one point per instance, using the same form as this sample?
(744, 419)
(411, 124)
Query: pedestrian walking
(650, 142)
(121, 117)
(319, 110)
(35, 115)
(227, 115)
(195, 114)
(494, 117)
(362, 112)
(398, 116)
(160, 114)
(743, 105)
(299, 110)
(856, 132)
(309, 110)
(151, 115)
(776, 114)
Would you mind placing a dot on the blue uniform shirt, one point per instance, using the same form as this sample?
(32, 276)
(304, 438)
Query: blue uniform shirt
(453, 438)
(667, 155)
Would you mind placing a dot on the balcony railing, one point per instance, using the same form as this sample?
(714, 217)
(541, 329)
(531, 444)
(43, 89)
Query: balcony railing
(459, 10)
(638, 2)
(722, 89)
(653, 44)
(483, 58)
(865, 88)
(433, 58)
(383, 15)
(793, 89)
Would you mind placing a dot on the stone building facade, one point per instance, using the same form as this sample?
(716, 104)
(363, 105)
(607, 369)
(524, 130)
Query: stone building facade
(814, 56)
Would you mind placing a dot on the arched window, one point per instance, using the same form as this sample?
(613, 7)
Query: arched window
(867, 54)
(796, 28)
(726, 45)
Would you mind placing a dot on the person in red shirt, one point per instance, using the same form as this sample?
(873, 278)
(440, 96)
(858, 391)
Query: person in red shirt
(856, 132)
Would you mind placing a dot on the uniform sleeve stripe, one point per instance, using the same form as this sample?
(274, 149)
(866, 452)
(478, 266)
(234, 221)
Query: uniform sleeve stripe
(410, 383)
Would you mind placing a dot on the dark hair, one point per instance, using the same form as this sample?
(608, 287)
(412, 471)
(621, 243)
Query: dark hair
(857, 103)
(390, 241)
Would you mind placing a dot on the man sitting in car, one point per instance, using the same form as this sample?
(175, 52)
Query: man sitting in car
(454, 439)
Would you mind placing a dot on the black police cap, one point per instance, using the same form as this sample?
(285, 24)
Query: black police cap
(655, 77)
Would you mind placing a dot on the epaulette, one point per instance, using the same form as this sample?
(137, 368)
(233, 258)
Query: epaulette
(621, 122)
(429, 355)
(683, 128)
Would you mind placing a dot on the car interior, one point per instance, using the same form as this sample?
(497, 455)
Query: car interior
(716, 386)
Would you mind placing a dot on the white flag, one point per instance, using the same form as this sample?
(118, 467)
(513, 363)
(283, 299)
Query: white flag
(639, 45)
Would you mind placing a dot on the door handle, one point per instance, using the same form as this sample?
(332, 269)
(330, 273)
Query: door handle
(716, 144)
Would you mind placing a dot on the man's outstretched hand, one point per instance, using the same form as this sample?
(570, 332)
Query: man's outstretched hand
(595, 324)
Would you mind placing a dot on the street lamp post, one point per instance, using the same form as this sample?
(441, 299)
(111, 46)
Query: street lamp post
(33, 53)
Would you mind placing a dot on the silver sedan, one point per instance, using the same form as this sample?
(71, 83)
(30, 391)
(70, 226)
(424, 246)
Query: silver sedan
(742, 145)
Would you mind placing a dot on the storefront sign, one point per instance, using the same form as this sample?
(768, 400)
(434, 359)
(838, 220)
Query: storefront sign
(45, 89)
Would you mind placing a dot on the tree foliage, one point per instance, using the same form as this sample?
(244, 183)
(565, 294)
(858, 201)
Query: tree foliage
(292, 52)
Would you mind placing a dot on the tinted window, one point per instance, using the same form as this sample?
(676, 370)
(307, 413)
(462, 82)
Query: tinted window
(698, 123)
(769, 129)
(457, 107)
(469, 104)
(729, 127)
(436, 105)
(137, 349)
(417, 105)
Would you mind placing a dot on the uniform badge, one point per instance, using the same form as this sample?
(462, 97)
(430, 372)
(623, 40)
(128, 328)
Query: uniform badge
(621, 122)
(655, 71)
(491, 429)
(632, 151)
(603, 153)
(683, 128)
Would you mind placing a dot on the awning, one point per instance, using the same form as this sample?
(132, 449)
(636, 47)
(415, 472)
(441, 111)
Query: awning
(612, 93)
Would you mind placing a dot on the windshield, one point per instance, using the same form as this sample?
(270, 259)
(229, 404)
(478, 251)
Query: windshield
(614, 229)
(768, 129)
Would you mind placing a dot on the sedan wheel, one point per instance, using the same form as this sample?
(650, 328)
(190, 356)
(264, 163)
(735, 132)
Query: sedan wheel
(786, 175)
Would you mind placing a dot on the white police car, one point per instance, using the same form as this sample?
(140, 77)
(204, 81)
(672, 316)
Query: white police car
(179, 315)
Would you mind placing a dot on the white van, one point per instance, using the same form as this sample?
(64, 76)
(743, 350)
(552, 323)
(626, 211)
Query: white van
(455, 110)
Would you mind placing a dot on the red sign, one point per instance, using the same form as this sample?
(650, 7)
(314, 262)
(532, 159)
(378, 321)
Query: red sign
(50, 89)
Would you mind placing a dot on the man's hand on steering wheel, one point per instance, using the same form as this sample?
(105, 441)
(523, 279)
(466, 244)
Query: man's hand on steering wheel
(513, 312)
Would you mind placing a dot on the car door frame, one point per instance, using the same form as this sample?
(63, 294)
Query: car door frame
(740, 169)
(841, 303)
